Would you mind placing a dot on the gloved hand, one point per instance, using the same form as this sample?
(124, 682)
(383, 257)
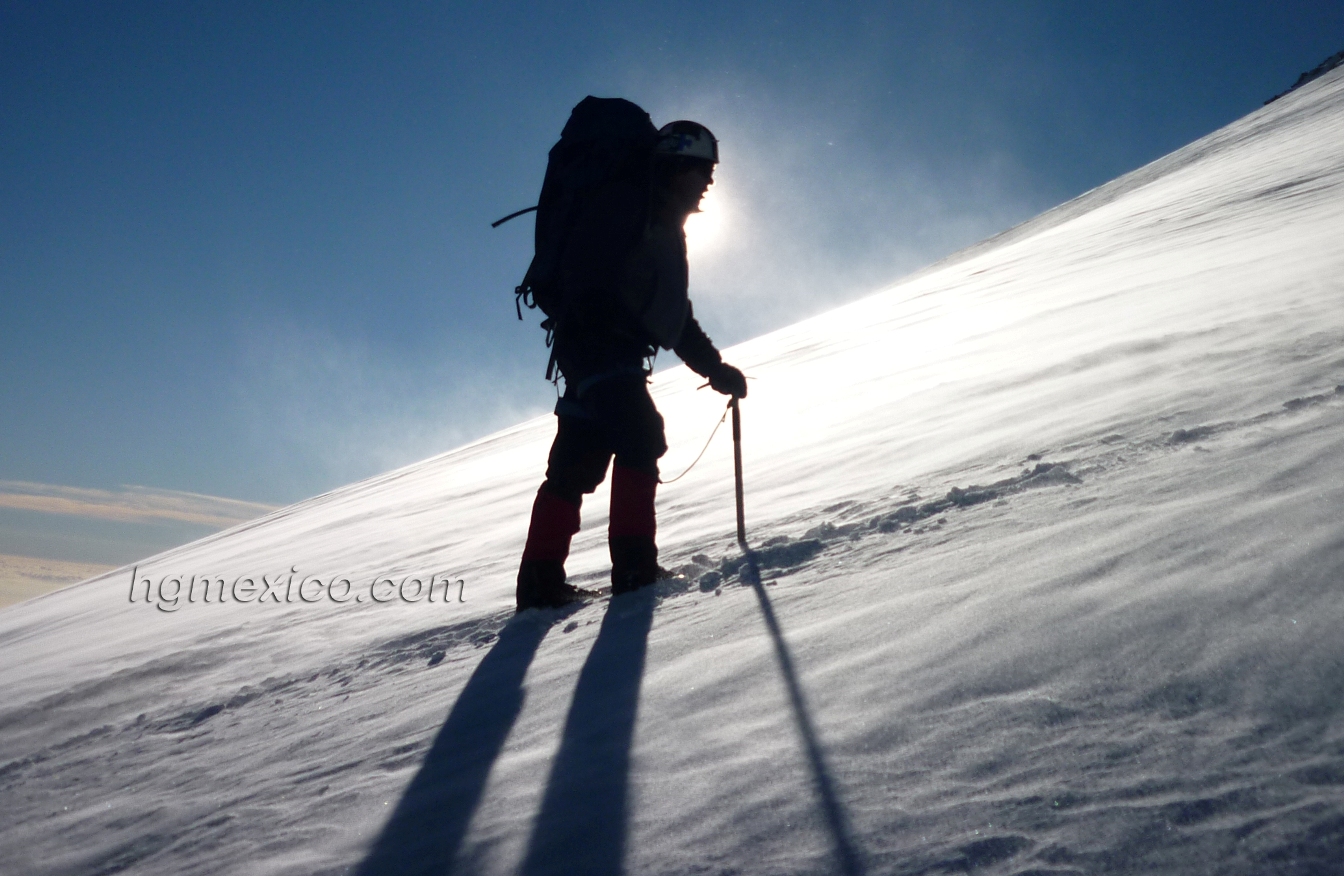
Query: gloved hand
(728, 380)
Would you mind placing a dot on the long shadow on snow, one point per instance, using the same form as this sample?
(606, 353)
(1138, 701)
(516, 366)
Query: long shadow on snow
(583, 820)
(847, 854)
(426, 829)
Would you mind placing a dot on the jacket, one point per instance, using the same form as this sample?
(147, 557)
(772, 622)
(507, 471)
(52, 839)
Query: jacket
(625, 284)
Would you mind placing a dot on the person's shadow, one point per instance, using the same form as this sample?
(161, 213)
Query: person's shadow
(426, 829)
(583, 823)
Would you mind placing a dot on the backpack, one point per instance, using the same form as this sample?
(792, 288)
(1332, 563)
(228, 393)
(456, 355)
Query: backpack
(606, 140)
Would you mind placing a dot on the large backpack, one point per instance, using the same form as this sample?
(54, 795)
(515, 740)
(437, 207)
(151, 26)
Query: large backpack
(606, 140)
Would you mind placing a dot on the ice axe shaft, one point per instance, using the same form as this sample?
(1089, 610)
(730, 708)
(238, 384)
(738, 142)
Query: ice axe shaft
(737, 474)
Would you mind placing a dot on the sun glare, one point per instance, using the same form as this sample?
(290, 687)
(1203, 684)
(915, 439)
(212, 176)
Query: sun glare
(703, 228)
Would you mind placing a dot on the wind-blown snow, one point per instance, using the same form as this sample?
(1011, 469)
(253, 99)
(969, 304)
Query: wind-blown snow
(1054, 533)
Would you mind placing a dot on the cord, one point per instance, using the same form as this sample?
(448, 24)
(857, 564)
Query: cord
(703, 449)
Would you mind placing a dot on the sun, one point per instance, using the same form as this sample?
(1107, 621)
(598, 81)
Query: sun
(703, 229)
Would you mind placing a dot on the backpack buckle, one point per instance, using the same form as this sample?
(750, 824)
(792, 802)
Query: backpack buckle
(523, 294)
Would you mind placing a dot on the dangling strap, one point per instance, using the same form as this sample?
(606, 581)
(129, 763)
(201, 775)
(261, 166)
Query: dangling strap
(553, 369)
(552, 366)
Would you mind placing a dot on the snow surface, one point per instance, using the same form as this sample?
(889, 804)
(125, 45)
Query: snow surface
(1053, 534)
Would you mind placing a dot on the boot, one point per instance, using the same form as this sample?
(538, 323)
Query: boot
(541, 584)
(634, 563)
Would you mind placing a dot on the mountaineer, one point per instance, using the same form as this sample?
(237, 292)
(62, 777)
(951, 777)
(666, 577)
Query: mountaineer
(610, 272)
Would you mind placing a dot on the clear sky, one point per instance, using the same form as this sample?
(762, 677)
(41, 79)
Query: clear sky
(245, 253)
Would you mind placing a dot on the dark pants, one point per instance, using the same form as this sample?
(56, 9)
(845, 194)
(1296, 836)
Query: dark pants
(613, 417)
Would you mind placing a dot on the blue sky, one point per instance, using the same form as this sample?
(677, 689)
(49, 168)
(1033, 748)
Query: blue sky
(245, 253)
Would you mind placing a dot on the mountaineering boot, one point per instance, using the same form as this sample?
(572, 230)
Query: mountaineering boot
(541, 584)
(541, 574)
(634, 563)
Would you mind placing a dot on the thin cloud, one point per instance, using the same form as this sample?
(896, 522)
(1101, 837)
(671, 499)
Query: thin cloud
(130, 504)
(26, 577)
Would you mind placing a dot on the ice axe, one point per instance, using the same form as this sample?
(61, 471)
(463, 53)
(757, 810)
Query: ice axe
(737, 475)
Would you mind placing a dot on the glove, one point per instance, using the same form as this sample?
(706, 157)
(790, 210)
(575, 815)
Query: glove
(728, 380)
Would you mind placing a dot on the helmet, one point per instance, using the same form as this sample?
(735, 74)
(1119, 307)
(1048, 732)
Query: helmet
(683, 139)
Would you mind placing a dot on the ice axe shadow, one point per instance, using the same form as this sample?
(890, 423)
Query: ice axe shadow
(847, 856)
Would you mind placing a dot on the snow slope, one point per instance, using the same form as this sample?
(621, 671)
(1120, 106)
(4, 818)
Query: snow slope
(1052, 532)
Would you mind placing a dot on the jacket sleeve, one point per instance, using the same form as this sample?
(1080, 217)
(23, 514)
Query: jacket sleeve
(695, 348)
